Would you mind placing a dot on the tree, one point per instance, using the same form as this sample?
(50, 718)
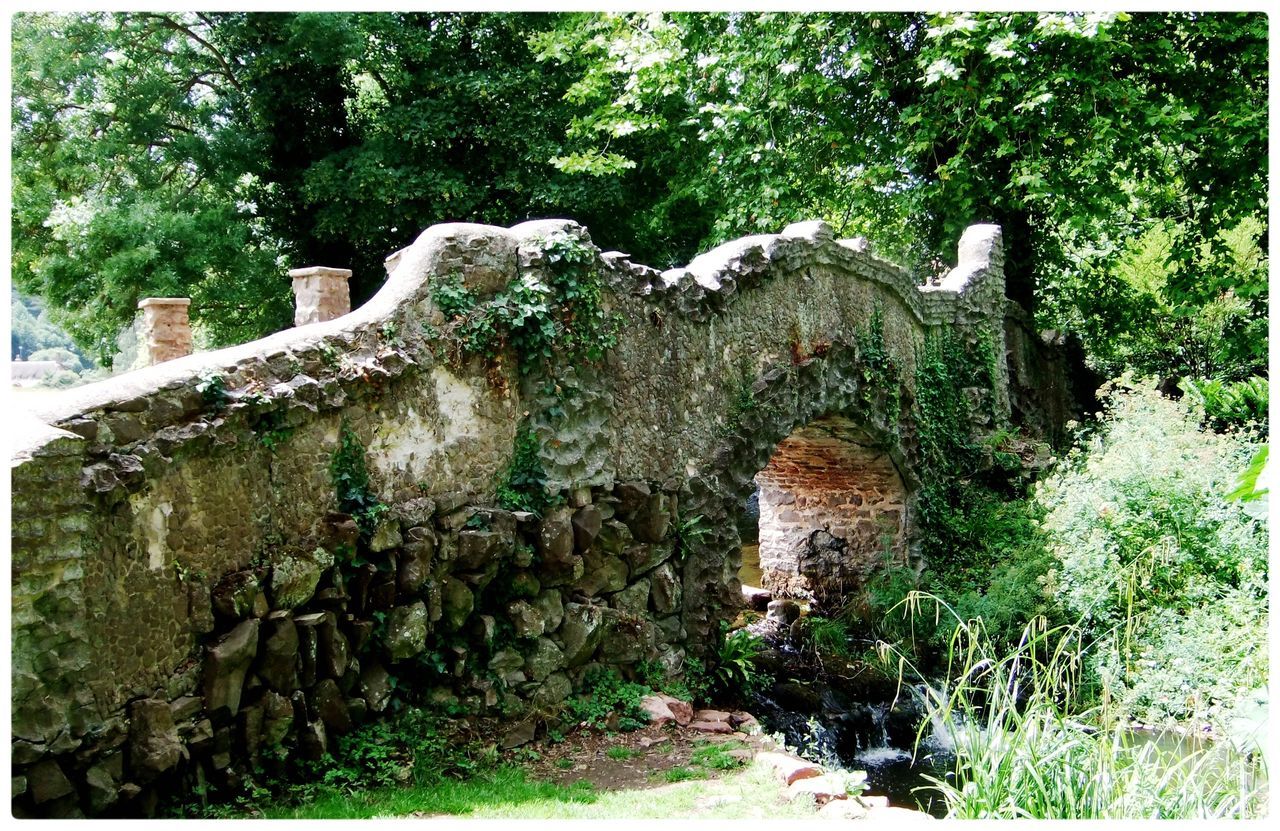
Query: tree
(130, 177)
(1069, 130)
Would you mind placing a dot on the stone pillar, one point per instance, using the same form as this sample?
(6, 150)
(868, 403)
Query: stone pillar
(166, 328)
(320, 294)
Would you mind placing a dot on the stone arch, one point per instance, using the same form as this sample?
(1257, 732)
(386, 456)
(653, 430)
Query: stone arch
(833, 510)
(844, 383)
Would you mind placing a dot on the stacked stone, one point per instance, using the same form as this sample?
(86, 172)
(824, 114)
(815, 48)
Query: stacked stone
(302, 650)
(320, 294)
(166, 328)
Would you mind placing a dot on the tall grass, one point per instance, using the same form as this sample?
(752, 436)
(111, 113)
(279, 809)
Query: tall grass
(1025, 749)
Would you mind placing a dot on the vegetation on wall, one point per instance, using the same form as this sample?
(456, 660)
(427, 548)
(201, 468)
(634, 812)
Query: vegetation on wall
(351, 482)
(559, 318)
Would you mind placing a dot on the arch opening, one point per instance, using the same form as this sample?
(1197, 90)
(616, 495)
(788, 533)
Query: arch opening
(833, 508)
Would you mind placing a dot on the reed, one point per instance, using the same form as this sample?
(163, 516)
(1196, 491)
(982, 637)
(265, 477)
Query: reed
(1025, 747)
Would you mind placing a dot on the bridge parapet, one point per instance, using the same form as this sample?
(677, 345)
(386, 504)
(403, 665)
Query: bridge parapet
(168, 482)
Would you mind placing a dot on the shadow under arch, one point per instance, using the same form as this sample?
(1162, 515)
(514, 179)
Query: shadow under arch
(844, 381)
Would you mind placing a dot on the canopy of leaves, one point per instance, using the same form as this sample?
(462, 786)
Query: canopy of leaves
(203, 154)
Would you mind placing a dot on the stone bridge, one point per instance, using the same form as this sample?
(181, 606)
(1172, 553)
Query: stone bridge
(191, 594)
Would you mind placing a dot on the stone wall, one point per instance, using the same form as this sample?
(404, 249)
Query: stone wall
(188, 597)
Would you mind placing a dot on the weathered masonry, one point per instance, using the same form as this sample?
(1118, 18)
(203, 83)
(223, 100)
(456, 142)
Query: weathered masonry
(229, 558)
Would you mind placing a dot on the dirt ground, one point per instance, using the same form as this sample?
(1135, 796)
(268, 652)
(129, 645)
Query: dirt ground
(639, 759)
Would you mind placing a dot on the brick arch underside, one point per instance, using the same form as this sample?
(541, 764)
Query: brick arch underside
(833, 509)
(786, 397)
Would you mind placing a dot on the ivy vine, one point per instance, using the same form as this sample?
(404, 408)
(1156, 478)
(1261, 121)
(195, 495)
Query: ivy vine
(559, 318)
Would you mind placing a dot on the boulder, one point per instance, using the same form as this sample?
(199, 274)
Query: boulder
(457, 603)
(550, 605)
(477, 549)
(651, 521)
(277, 719)
(543, 659)
(334, 653)
(657, 710)
(154, 746)
(711, 726)
(521, 734)
(375, 686)
(234, 595)
(278, 658)
(225, 666)
(102, 782)
(631, 496)
(644, 557)
(553, 691)
(633, 600)
(555, 538)
(46, 781)
(681, 711)
(665, 590)
(526, 620)
(328, 704)
(294, 578)
(386, 536)
(789, 769)
(407, 631)
(414, 564)
(581, 632)
(586, 522)
(784, 611)
(821, 789)
(627, 638)
(604, 575)
(757, 599)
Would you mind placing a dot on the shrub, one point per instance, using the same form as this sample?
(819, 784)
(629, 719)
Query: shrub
(604, 696)
(1163, 570)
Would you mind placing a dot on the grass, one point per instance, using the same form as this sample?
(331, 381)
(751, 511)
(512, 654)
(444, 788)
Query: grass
(508, 793)
(620, 754)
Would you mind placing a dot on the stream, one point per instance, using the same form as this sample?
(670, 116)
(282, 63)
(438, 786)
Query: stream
(846, 716)
(847, 722)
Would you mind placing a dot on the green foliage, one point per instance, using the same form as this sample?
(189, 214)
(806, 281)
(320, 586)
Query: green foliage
(1029, 746)
(212, 387)
(1166, 572)
(65, 358)
(959, 117)
(732, 673)
(562, 318)
(1233, 404)
(716, 756)
(524, 485)
(619, 753)
(606, 697)
(31, 330)
(351, 483)
(1159, 303)
(1248, 490)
